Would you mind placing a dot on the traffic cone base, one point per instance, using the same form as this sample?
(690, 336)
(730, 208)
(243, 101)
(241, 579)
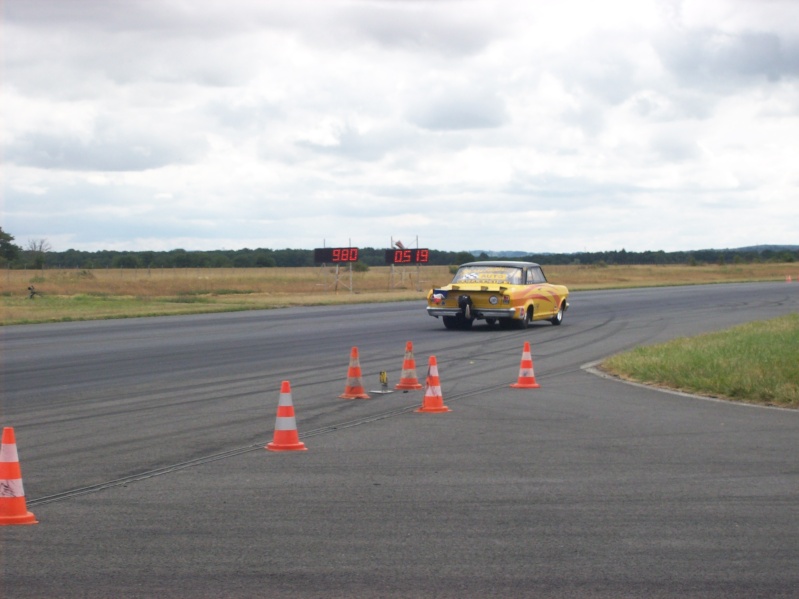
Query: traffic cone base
(13, 509)
(433, 401)
(286, 437)
(354, 388)
(408, 379)
(432, 409)
(526, 378)
(23, 517)
(298, 446)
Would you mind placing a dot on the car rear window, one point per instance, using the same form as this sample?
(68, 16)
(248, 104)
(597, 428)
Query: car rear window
(488, 274)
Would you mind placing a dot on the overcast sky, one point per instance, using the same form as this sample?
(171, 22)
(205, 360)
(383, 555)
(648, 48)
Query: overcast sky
(532, 125)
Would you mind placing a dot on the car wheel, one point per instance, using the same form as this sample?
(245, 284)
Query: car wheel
(457, 322)
(491, 321)
(464, 323)
(558, 318)
(524, 321)
(451, 322)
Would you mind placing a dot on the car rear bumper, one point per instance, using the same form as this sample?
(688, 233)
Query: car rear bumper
(476, 312)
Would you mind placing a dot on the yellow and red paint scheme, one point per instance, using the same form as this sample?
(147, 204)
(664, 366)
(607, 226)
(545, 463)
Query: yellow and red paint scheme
(504, 292)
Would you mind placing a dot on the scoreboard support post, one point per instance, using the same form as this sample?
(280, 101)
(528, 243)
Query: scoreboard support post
(337, 256)
(400, 255)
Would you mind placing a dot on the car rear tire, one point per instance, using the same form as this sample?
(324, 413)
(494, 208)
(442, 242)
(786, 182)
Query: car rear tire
(450, 322)
(524, 322)
(457, 322)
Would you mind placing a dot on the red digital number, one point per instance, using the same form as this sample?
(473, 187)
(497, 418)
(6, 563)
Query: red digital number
(403, 256)
(345, 255)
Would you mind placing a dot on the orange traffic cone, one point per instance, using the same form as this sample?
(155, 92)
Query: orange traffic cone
(408, 380)
(526, 373)
(433, 400)
(286, 437)
(13, 509)
(354, 388)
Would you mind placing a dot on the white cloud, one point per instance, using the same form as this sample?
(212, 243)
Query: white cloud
(557, 126)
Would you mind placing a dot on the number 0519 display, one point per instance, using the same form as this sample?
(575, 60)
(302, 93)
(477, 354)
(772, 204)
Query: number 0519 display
(417, 256)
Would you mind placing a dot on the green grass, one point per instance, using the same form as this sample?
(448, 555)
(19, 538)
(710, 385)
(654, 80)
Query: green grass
(756, 362)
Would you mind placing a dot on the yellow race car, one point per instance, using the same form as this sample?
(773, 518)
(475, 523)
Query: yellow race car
(504, 292)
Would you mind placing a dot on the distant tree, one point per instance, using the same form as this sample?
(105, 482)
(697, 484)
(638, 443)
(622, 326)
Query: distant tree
(126, 261)
(372, 257)
(264, 259)
(243, 260)
(146, 258)
(37, 250)
(221, 261)
(290, 257)
(180, 258)
(8, 250)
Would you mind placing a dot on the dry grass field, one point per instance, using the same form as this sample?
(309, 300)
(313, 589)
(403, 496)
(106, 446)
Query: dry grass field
(64, 295)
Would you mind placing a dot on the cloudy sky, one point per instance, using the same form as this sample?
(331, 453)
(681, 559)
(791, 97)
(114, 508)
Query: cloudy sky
(528, 125)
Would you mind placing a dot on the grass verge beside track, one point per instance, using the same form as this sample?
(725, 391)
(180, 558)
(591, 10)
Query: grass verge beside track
(755, 363)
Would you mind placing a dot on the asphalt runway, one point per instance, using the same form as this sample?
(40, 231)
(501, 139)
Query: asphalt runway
(141, 448)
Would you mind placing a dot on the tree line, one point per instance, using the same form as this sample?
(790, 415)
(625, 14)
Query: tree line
(38, 255)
